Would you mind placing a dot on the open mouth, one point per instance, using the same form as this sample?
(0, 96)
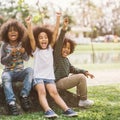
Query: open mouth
(43, 44)
(13, 36)
(65, 53)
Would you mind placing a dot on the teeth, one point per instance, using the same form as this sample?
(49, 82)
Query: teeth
(13, 36)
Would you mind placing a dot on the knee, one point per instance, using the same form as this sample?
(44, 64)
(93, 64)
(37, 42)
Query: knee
(82, 77)
(6, 77)
(54, 93)
(29, 70)
(42, 93)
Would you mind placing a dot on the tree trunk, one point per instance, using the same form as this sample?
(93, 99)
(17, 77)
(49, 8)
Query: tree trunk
(70, 99)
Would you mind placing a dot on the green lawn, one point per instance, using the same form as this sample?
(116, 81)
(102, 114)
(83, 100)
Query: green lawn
(102, 66)
(106, 107)
(107, 98)
(106, 47)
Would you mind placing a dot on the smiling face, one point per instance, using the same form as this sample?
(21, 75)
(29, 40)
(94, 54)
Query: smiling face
(43, 40)
(66, 50)
(12, 34)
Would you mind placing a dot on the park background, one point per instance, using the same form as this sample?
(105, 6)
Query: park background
(95, 27)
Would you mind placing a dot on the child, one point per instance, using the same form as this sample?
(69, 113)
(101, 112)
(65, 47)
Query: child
(63, 68)
(12, 57)
(42, 46)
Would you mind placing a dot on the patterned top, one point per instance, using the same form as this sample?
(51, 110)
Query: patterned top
(12, 62)
(62, 66)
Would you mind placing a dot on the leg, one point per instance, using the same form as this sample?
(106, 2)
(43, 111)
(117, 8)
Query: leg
(7, 85)
(27, 76)
(78, 81)
(54, 94)
(49, 113)
(41, 91)
(40, 88)
(9, 94)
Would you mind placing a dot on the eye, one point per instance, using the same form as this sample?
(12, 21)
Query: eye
(46, 37)
(40, 37)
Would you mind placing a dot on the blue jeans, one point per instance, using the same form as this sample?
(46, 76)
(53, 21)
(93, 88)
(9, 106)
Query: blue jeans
(8, 77)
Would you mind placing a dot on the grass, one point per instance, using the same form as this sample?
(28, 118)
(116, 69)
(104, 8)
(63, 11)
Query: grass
(106, 47)
(107, 106)
(98, 67)
(107, 98)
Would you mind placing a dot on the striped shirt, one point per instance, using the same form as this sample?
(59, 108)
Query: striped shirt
(62, 65)
(12, 62)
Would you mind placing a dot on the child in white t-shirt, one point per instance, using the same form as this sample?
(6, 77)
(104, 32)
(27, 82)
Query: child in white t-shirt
(42, 41)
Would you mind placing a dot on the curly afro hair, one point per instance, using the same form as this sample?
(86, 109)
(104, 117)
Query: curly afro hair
(37, 30)
(12, 23)
(72, 44)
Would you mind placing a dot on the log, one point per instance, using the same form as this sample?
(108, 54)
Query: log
(70, 99)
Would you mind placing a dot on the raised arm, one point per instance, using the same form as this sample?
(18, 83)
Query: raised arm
(65, 24)
(59, 42)
(55, 33)
(30, 33)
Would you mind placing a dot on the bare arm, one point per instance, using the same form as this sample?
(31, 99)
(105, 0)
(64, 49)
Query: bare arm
(30, 33)
(55, 33)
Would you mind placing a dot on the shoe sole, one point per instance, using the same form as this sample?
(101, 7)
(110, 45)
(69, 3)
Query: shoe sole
(71, 115)
(51, 116)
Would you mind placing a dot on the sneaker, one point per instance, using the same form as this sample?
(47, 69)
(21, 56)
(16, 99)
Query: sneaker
(70, 113)
(13, 108)
(50, 114)
(25, 103)
(85, 103)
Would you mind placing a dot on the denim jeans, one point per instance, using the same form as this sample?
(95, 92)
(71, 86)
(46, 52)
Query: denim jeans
(43, 81)
(25, 75)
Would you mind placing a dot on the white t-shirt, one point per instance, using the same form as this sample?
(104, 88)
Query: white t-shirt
(43, 63)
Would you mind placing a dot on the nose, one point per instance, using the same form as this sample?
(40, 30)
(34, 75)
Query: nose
(12, 30)
(66, 48)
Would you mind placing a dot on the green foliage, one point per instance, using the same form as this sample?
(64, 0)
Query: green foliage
(20, 2)
(36, 18)
(107, 106)
(23, 9)
(11, 9)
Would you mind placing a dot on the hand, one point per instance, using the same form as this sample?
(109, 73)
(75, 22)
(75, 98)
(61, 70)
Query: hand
(89, 75)
(28, 20)
(58, 14)
(65, 23)
(21, 50)
(13, 51)
(29, 25)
